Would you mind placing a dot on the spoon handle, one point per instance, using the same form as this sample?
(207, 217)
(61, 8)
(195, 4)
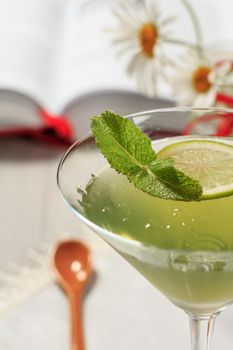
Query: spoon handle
(77, 336)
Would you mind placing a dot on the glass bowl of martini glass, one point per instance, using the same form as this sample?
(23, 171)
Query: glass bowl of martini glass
(183, 247)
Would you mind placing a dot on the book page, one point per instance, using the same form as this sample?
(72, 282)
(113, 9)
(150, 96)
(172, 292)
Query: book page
(89, 63)
(29, 35)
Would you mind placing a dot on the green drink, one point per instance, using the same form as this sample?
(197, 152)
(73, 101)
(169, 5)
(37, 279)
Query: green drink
(172, 228)
(170, 214)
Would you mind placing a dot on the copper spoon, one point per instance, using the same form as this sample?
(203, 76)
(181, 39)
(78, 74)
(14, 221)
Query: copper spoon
(73, 270)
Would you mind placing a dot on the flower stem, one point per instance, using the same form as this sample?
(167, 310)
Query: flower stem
(181, 42)
(196, 24)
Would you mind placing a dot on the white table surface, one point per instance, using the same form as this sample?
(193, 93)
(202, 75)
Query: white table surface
(121, 311)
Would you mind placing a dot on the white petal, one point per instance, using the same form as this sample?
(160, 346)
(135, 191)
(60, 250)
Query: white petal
(204, 100)
(133, 63)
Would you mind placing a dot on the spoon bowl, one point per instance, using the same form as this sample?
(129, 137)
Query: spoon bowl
(72, 264)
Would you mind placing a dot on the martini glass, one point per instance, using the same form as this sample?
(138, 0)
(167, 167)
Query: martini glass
(192, 265)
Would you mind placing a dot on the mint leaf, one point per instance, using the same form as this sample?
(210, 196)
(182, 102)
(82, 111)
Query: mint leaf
(185, 187)
(129, 151)
(121, 142)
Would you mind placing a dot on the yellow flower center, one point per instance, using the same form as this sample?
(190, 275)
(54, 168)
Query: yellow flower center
(148, 36)
(200, 79)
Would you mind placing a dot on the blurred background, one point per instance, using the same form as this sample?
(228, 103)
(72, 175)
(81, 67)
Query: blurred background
(60, 62)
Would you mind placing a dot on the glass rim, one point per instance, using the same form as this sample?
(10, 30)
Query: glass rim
(138, 244)
(150, 111)
(181, 109)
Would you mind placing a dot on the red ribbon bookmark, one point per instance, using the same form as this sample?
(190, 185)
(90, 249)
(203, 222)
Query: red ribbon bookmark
(224, 122)
(56, 130)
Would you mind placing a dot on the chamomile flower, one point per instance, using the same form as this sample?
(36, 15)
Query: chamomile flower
(139, 34)
(223, 77)
(196, 79)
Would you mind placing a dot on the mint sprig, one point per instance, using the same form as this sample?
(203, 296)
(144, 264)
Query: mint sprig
(129, 151)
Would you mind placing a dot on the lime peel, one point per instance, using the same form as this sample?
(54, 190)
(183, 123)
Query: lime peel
(208, 161)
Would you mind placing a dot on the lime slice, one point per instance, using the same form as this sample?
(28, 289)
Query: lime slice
(209, 162)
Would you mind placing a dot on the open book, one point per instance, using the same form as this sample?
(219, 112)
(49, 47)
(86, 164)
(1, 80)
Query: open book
(56, 56)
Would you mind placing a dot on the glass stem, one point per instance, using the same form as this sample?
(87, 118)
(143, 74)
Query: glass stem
(201, 329)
